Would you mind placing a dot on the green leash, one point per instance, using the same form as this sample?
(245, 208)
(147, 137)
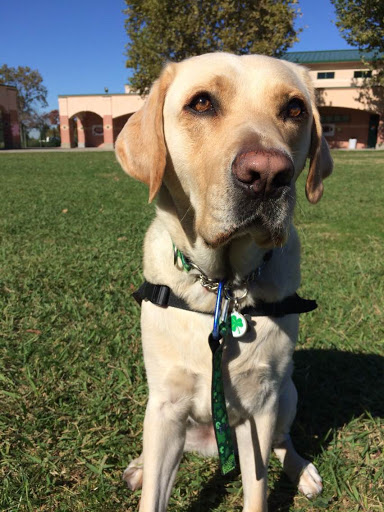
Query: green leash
(178, 254)
(221, 326)
(219, 410)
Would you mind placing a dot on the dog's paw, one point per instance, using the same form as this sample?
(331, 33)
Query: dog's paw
(133, 475)
(310, 483)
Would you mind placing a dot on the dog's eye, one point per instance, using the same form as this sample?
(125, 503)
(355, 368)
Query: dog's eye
(295, 108)
(201, 103)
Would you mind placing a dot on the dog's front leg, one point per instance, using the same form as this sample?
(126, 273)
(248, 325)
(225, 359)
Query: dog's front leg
(254, 440)
(164, 437)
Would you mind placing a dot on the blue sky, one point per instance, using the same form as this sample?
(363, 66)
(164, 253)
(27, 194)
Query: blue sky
(78, 46)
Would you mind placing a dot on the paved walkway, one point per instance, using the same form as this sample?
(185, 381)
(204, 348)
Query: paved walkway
(51, 150)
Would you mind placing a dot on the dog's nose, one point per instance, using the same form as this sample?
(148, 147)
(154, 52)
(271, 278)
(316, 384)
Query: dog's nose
(262, 173)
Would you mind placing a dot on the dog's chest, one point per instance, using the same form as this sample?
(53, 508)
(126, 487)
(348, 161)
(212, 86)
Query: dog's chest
(179, 361)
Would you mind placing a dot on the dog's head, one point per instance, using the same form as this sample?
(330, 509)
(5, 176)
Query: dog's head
(227, 137)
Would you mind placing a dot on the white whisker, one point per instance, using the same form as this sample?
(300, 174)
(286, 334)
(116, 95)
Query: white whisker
(186, 213)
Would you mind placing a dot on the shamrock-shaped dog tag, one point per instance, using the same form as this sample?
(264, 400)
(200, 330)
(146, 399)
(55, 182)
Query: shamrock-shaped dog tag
(239, 324)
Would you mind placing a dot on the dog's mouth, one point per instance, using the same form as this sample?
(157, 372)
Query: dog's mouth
(266, 220)
(263, 236)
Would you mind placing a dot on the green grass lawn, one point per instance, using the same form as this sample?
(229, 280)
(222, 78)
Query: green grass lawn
(72, 383)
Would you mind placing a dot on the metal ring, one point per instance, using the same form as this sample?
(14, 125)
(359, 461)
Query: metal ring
(229, 295)
(196, 267)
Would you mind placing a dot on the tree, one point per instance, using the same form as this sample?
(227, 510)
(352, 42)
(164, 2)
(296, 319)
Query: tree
(54, 117)
(162, 30)
(53, 120)
(30, 91)
(361, 23)
(46, 123)
(39, 122)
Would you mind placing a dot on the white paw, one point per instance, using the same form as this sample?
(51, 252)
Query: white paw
(133, 475)
(310, 483)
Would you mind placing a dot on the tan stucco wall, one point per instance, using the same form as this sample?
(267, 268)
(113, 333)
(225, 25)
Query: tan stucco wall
(103, 105)
(343, 78)
(341, 97)
(343, 89)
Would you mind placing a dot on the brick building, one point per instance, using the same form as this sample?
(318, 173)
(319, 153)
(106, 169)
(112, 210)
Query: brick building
(338, 76)
(9, 120)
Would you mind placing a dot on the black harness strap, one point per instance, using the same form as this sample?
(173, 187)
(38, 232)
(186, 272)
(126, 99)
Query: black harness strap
(162, 295)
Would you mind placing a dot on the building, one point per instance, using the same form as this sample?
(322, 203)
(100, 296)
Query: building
(9, 119)
(338, 76)
(95, 120)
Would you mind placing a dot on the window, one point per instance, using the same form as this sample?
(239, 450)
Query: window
(326, 74)
(362, 74)
(335, 119)
(328, 130)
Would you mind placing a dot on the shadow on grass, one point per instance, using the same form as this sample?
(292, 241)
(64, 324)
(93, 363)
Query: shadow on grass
(334, 387)
(212, 493)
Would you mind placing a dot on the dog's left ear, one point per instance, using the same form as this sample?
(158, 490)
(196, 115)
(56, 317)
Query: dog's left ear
(140, 146)
(321, 163)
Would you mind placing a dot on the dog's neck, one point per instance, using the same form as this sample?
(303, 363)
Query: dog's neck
(234, 260)
(279, 278)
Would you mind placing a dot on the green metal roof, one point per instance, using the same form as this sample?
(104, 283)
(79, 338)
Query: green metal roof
(326, 56)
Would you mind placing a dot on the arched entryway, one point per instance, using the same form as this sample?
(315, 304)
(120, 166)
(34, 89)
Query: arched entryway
(88, 131)
(118, 124)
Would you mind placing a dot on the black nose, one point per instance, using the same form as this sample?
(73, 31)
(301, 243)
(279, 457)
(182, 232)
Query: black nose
(263, 173)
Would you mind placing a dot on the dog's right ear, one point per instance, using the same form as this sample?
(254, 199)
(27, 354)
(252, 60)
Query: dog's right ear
(140, 146)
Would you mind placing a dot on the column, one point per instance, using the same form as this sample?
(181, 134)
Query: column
(65, 132)
(80, 133)
(108, 131)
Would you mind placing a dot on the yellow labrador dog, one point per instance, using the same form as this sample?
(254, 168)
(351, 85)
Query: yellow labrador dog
(220, 141)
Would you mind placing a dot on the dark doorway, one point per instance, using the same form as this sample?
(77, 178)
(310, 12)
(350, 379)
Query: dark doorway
(372, 130)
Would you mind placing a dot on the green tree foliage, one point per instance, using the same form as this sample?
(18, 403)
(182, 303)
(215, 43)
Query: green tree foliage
(30, 91)
(162, 30)
(53, 121)
(361, 23)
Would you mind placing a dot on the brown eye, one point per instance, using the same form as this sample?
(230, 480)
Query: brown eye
(201, 103)
(295, 108)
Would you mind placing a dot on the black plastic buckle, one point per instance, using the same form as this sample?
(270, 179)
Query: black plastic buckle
(160, 295)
